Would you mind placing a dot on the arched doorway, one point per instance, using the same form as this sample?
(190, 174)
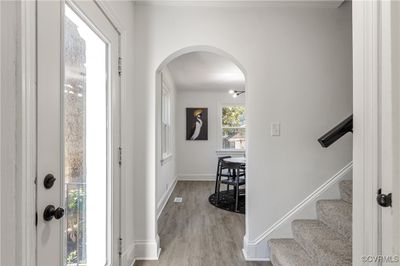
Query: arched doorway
(166, 163)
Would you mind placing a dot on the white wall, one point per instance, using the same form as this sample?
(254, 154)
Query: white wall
(166, 169)
(197, 160)
(299, 72)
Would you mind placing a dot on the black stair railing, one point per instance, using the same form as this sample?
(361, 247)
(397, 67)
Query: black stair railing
(337, 132)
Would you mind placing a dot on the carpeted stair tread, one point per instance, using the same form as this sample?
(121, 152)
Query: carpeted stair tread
(287, 252)
(346, 190)
(337, 214)
(322, 243)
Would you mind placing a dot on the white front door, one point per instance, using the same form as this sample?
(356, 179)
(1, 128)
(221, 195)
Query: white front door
(78, 135)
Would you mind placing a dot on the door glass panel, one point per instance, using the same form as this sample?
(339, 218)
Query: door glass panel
(85, 143)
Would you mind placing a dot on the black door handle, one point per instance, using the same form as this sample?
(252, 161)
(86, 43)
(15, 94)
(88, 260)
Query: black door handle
(49, 181)
(383, 199)
(51, 212)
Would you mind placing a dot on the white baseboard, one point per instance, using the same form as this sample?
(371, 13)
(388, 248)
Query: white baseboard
(254, 252)
(161, 204)
(147, 250)
(253, 259)
(196, 177)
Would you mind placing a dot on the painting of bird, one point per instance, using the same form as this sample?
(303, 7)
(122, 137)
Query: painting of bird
(196, 124)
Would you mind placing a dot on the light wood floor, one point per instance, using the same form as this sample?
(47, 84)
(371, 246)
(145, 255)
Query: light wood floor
(195, 233)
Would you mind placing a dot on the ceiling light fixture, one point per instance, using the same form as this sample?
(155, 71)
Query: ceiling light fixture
(235, 93)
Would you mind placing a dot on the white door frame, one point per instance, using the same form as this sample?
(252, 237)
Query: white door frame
(365, 136)
(27, 203)
(369, 60)
(395, 9)
(28, 134)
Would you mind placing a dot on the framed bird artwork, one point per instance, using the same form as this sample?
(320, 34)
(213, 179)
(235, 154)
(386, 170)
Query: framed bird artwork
(196, 123)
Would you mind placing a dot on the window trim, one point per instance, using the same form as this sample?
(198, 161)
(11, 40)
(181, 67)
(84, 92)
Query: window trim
(220, 148)
(166, 154)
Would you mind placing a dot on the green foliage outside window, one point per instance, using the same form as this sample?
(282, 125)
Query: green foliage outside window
(233, 127)
(233, 116)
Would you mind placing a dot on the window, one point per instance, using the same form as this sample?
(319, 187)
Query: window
(165, 123)
(233, 127)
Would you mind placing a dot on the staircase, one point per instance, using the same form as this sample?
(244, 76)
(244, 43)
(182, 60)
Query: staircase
(323, 242)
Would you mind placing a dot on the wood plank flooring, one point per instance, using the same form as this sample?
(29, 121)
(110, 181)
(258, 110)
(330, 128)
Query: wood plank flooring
(195, 233)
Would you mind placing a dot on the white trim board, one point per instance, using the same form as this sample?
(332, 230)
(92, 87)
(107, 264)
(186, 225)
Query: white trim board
(253, 259)
(1, 125)
(147, 250)
(164, 199)
(113, 17)
(28, 132)
(257, 249)
(121, 28)
(366, 83)
(196, 177)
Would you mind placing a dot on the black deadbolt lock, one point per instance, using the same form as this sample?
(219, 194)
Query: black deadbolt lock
(49, 181)
(51, 212)
(383, 199)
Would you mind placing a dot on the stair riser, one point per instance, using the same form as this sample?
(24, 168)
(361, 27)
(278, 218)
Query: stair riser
(346, 197)
(303, 242)
(274, 259)
(336, 215)
(286, 252)
(341, 229)
(322, 243)
(346, 190)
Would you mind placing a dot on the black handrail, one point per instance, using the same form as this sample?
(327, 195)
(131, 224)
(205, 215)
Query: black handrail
(337, 132)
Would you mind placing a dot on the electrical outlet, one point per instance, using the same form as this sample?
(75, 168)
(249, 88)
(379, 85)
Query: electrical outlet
(178, 199)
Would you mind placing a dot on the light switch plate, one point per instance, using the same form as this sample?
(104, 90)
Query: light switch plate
(275, 129)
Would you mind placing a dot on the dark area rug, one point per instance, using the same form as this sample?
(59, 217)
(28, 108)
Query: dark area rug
(227, 201)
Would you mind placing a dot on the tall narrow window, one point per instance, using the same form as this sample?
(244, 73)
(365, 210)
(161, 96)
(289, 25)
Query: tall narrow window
(85, 143)
(233, 124)
(166, 141)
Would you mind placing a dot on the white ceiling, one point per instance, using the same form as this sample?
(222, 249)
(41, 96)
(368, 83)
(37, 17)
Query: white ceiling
(205, 71)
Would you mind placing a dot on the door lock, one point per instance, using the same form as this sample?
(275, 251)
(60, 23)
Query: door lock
(51, 212)
(49, 181)
(384, 200)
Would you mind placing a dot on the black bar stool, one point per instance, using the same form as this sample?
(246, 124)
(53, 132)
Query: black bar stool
(221, 172)
(237, 179)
